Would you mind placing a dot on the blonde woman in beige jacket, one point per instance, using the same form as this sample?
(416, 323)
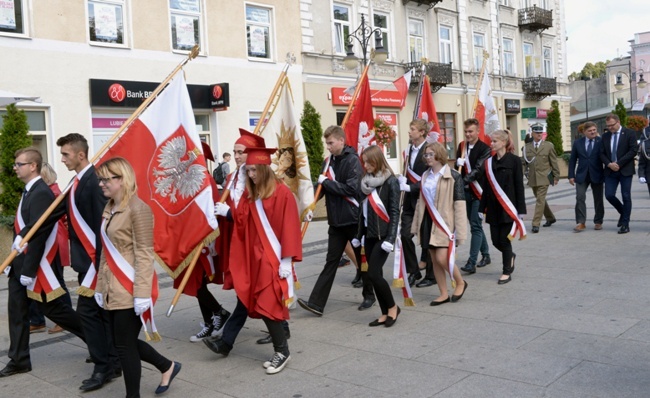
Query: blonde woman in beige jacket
(441, 217)
(126, 274)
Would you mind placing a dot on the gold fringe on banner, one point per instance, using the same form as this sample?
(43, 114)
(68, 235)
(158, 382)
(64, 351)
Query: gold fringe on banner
(297, 285)
(174, 274)
(408, 302)
(398, 283)
(85, 291)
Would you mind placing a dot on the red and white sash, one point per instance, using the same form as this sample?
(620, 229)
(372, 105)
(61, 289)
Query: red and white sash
(330, 174)
(45, 280)
(410, 174)
(272, 248)
(125, 274)
(476, 187)
(508, 207)
(440, 222)
(400, 276)
(378, 206)
(87, 238)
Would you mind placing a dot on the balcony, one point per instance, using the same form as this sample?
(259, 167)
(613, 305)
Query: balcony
(535, 19)
(429, 3)
(538, 88)
(439, 74)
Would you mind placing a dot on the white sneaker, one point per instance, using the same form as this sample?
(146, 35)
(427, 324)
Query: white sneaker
(206, 330)
(277, 363)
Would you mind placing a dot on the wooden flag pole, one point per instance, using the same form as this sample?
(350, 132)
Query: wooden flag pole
(418, 97)
(481, 76)
(118, 133)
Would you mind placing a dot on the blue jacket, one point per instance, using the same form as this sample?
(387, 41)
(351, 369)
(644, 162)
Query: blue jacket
(588, 165)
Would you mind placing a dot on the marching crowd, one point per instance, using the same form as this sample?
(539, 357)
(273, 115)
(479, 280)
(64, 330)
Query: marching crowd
(369, 207)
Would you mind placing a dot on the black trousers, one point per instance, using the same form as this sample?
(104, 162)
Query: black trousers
(208, 304)
(131, 350)
(376, 257)
(18, 304)
(97, 329)
(499, 233)
(236, 322)
(278, 336)
(338, 238)
(408, 247)
(425, 235)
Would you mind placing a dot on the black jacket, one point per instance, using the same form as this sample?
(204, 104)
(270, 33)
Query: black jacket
(347, 171)
(508, 172)
(625, 151)
(644, 160)
(419, 167)
(477, 156)
(389, 194)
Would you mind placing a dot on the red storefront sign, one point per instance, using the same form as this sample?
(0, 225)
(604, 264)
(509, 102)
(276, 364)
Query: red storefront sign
(542, 113)
(380, 98)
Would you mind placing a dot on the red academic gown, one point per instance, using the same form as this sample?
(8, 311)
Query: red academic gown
(254, 271)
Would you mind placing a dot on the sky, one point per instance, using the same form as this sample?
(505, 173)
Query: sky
(600, 30)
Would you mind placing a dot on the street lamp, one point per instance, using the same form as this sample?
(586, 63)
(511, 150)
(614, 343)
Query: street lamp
(632, 77)
(585, 79)
(363, 34)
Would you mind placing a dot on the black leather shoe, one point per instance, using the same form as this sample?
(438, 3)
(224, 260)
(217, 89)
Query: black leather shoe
(89, 359)
(117, 373)
(309, 308)
(356, 279)
(535, 230)
(504, 281)
(425, 283)
(269, 340)
(177, 368)
(484, 261)
(358, 284)
(549, 223)
(435, 303)
(366, 303)
(11, 370)
(218, 346)
(96, 381)
(624, 229)
(620, 222)
(390, 321)
(414, 277)
(376, 322)
(469, 268)
(455, 298)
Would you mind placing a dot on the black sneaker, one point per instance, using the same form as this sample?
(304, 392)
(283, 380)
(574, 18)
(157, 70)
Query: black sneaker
(344, 261)
(218, 346)
(277, 363)
(218, 320)
(206, 330)
(484, 261)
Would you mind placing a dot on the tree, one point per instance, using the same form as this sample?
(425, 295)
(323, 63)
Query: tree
(554, 128)
(621, 112)
(591, 71)
(312, 133)
(13, 136)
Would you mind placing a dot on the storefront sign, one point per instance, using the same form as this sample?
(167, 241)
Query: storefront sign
(130, 94)
(512, 106)
(541, 113)
(529, 113)
(220, 96)
(380, 98)
(108, 122)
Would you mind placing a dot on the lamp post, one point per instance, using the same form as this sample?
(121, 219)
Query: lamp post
(362, 35)
(632, 77)
(585, 79)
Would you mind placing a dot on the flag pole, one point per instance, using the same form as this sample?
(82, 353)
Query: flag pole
(481, 76)
(418, 97)
(193, 53)
(305, 225)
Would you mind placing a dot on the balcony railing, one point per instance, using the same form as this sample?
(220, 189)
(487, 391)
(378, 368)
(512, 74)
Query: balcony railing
(439, 74)
(429, 3)
(538, 88)
(535, 19)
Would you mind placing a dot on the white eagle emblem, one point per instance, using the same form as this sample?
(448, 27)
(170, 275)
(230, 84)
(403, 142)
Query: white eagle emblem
(176, 176)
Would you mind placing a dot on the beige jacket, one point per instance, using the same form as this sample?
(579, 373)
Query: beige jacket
(450, 202)
(131, 232)
(543, 161)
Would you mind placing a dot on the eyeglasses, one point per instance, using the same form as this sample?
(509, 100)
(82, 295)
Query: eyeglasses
(609, 126)
(429, 155)
(20, 164)
(106, 180)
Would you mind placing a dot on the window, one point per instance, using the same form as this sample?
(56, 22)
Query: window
(547, 65)
(106, 21)
(381, 22)
(445, 44)
(186, 23)
(258, 32)
(341, 27)
(528, 60)
(479, 47)
(416, 40)
(12, 17)
(448, 130)
(508, 58)
(526, 3)
(544, 4)
(505, 3)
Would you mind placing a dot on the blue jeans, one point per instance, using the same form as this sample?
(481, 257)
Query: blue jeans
(611, 185)
(478, 241)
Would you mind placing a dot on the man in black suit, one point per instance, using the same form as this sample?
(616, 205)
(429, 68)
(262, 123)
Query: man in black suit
(586, 154)
(470, 157)
(85, 204)
(617, 153)
(410, 185)
(24, 276)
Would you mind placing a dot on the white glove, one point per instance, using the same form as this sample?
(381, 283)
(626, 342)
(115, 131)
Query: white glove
(212, 249)
(141, 305)
(387, 246)
(221, 209)
(521, 216)
(99, 299)
(321, 178)
(480, 215)
(642, 180)
(16, 244)
(404, 187)
(7, 270)
(355, 243)
(285, 268)
(401, 179)
(309, 216)
(460, 162)
(26, 280)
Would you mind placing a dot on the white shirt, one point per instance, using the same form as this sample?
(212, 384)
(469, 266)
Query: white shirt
(430, 185)
(83, 171)
(414, 153)
(31, 183)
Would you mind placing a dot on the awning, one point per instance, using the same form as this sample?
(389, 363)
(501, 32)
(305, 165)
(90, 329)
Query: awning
(7, 97)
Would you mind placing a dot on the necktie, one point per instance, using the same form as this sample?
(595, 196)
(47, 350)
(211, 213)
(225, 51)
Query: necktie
(24, 193)
(614, 146)
(590, 147)
(536, 145)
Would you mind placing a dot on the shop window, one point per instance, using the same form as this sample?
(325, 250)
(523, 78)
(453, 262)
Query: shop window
(13, 17)
(448, 131)
(106, 21)
(259, 34)
(185, 23)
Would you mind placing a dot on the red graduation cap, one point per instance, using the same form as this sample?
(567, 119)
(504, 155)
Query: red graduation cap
(259, 155)
(249, 139)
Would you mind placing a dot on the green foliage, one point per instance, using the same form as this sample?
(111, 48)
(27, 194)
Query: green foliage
(621, 112)
(636, 123)
(590, 71)
(312, 133)
(554, 128)
(13, 137)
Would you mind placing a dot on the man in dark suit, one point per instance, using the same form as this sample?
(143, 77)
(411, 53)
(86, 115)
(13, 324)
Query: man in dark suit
(24, 283)
(410, 185)
(617, 153)
(586, 153)
(85, 204)
(470, 156)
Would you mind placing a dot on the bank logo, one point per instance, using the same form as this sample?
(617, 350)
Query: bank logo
(116, 92)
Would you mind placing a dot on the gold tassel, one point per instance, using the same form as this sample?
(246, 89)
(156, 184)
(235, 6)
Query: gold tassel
(34, 296)
(146, 336)
(510, 237)
(288, 302)
(297, 285)
(453, 284)
(408, 302)
(54, 294)
(398, 283)
(156, 337)
(85, 291)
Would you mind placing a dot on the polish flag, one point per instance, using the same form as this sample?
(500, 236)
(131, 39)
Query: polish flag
(486, 111)
(427, 109)
(402, 85)
(166, 153)
(359, 129)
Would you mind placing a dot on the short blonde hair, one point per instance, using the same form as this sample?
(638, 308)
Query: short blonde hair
(122, 168)
(439, 151)
(48, 174)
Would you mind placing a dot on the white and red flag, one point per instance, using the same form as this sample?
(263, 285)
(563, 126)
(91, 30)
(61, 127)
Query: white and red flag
(402, 85)
(427, 110)
(166, 153)
(486, 111)
(359, 129)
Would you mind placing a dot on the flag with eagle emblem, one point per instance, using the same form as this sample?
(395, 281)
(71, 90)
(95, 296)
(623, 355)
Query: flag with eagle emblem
(359, 129)
(427, 110)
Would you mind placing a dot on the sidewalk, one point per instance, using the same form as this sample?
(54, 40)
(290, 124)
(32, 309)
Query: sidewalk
(574, 322)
